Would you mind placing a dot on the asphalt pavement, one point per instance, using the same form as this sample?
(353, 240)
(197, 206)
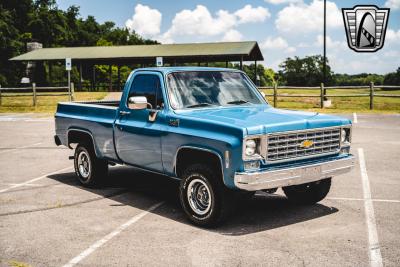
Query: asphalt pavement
(48, 219)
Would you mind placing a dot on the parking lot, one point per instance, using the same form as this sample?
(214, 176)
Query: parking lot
(48, 219)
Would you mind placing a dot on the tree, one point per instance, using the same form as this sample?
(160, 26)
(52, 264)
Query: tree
(10, 45)
(25, 21)
(392, 78)
(307, 71)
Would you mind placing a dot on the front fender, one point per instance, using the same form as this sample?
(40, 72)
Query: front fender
(227, 153)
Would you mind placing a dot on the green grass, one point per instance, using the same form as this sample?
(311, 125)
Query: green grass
(339, 104)
(45, 104)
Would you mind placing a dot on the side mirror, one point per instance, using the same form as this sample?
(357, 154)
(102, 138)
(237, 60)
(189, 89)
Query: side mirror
(137, 102)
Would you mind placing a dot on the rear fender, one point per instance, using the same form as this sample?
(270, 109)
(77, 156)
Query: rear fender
(77, 136)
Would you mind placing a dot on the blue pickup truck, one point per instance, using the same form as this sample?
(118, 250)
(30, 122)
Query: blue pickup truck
(211, 129)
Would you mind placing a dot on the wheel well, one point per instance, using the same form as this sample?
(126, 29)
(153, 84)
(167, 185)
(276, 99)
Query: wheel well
(188, 156)
(79, 137)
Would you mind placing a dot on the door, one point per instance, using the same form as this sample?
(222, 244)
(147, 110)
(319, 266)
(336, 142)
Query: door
(138, 140)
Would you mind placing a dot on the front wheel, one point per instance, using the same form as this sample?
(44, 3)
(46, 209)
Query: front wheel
(308, 194)
(91, 171)
(203, 196)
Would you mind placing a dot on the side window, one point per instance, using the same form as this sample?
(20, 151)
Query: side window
(149, 86)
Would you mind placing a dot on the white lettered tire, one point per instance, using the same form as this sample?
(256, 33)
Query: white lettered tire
(204, 198)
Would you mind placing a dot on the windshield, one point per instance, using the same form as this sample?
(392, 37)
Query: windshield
(192, 89)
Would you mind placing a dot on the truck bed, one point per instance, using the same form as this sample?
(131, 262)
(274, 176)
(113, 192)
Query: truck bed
(94, 117)
(108, 103)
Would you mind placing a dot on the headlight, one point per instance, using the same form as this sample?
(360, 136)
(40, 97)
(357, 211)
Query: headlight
(345, 136)
(252, 148)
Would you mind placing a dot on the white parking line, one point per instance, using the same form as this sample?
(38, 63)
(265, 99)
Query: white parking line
(355, 118)
(33, 180)
(362, 199)
(23, 117)
(12, 184)
(374, 249)
(17, 148)
(105, 239)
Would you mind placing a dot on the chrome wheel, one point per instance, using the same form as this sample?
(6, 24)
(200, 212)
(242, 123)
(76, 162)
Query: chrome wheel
(199, 196)
(84, 164)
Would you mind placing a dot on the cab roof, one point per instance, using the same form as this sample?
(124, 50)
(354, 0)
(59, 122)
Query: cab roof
(166, 70)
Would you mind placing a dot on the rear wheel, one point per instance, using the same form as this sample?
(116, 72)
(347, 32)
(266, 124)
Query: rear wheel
(90, 170)
(204, 198)
(308, 194)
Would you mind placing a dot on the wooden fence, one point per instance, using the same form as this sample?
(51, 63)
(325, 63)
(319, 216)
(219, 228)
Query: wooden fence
(322, 89)
(35, 92)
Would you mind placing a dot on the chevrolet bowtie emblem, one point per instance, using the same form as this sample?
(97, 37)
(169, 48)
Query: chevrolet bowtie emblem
(306, 144)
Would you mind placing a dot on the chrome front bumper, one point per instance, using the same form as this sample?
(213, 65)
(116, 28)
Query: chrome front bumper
(252, 181)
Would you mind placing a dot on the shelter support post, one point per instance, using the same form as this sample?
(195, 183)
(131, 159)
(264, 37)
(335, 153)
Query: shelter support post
(255, 72)
(119, 77)
(241, 63)
(110, 77)
(50, 64)
(93, 80)
(69, 85)
(80, 76)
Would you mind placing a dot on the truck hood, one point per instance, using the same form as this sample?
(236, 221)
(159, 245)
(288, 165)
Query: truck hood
(262, 119)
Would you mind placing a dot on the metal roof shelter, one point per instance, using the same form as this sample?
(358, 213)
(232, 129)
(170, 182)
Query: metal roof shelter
(182, 53)
(172, 54)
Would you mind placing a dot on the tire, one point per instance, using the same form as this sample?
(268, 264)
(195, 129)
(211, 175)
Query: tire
(90, 170)
(308, 194)
(204, 198)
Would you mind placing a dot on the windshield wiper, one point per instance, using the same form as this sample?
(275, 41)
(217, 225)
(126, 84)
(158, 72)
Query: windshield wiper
(240, 101)
(200, 105)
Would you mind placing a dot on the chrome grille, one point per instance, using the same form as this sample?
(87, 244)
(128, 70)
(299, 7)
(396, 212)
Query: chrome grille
(288, 145)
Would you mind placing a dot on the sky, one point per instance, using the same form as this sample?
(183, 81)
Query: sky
(282, 28)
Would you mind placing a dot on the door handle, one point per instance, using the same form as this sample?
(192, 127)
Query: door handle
(122, 113)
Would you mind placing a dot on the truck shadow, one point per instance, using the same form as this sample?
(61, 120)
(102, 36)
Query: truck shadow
(132, 187)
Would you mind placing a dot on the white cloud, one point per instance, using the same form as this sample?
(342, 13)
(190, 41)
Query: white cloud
(200, 22)
(249, 14)
(277, 43)
(394, 4)
(278, 2)
(392, 36)
(392, 53)
(232, 36)
(307, 18)
(331, 44)
(145, 21)
(290, 49)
